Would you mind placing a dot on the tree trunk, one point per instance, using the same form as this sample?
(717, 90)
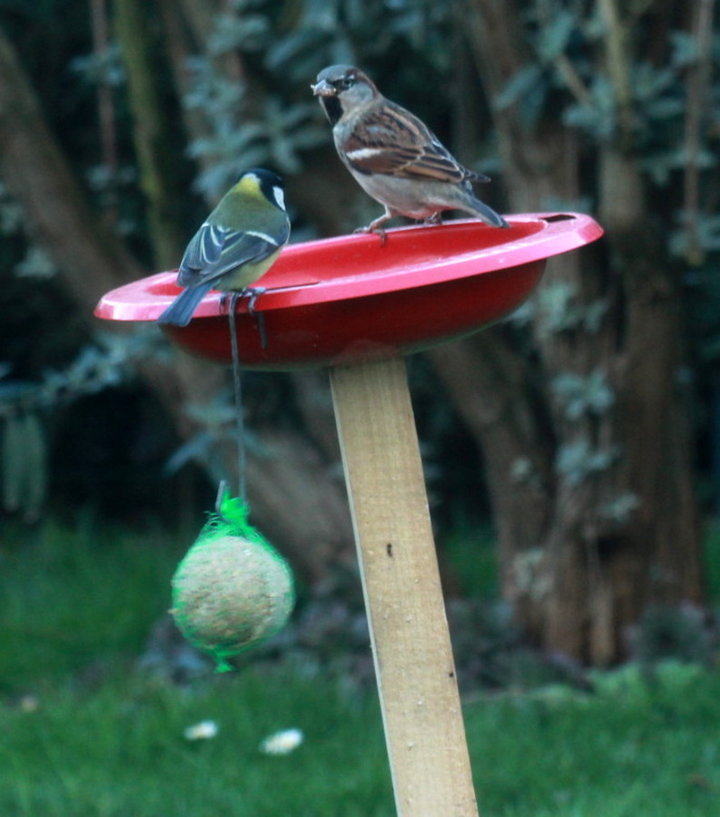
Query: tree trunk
(37, 174)
(594, 507)
(157, 145)
(295, 497)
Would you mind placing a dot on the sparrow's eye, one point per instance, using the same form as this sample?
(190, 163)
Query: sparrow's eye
(345, 82)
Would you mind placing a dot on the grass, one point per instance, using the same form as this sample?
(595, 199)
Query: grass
(635, 746)
(71, 598)
(711, 562)
(632, 748)
(111, 744)
(121, 751)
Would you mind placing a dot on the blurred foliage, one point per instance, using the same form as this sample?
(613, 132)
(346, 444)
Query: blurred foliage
(270, 117)
(583, 395)
(276, 137)
(472, 556)
(24, 465)
(684, 633)
(244, 85)
(25, 405)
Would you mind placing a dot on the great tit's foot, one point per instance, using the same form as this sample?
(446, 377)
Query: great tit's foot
(228, 301)
(252, 294)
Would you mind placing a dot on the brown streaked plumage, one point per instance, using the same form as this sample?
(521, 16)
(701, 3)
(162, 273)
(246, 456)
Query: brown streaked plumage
(393, 155)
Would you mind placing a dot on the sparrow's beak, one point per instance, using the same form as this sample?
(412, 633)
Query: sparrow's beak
(323, 88)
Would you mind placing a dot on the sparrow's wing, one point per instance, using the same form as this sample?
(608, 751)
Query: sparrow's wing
(216, 250)
(389, 140)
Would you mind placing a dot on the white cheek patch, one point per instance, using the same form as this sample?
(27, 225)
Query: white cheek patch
(279, 197)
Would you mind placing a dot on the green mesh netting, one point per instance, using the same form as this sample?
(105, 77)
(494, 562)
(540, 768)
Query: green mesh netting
(232, 590)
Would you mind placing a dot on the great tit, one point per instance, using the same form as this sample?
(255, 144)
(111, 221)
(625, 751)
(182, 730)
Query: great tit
(393, 155)
(235, 245)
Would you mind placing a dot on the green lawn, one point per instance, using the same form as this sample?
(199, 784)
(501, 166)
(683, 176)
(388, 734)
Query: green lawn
(108, 742)
(71, 599)
(629, 749)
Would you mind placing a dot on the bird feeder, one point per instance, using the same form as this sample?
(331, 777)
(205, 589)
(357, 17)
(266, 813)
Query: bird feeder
(358, 306)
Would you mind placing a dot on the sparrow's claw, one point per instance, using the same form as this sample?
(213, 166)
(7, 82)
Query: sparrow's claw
(435, 218)
(373, 227)
(377, 230)
(376, 226)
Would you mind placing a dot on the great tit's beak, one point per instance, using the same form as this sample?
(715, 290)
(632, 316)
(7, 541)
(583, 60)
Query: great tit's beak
(323, 88)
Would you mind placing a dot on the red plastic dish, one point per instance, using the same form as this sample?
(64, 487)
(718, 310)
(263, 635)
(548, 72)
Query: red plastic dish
(341, 300)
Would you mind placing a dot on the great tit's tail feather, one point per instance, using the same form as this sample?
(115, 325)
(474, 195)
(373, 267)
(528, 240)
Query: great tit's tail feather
(181, 310)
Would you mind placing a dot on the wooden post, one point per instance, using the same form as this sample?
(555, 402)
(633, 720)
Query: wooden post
(414, 664)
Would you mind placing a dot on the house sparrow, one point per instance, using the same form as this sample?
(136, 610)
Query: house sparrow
(392, 154)
(234, 246)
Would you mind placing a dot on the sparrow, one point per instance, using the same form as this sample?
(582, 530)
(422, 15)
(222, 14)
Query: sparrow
(393, 155)
(234, 246)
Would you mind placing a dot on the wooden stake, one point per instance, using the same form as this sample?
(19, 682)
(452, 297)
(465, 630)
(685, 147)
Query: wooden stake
(414, 665)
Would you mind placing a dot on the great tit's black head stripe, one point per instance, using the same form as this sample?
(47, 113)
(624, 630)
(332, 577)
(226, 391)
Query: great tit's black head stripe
(269, 183)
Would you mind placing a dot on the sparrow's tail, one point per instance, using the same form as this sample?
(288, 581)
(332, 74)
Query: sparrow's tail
(181, 310)
(475, 207)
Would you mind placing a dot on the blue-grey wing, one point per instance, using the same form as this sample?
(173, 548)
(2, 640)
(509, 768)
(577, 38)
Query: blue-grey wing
(216, 250)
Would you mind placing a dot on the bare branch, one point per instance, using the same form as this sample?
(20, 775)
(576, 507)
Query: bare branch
(617, 65)
(156, 144)
(698, 82)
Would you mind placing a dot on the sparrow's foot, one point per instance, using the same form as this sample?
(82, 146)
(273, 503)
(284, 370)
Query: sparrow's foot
(370, 229)
(376, 226)
(435, 218)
